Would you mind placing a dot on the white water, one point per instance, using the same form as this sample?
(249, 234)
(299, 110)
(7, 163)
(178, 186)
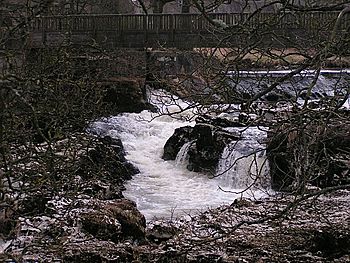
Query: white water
(182, 157)
(243, 163)
(164, 188)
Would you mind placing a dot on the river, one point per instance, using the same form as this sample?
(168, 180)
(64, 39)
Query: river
(166, 188)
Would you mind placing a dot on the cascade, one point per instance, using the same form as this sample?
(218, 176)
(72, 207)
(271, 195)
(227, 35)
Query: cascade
(243, 163)
(182, 156)
(166, 188)
(163, 188)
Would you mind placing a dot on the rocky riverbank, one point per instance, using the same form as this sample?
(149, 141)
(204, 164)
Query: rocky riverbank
(62, 201)
(85, 199)
(282, 229)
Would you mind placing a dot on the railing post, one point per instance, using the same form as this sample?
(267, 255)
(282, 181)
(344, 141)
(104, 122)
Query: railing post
(43, 30)
(171, 29)
(145, 29)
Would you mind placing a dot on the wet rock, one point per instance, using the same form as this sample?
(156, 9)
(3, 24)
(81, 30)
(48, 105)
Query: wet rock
(206, 149)
(176, 141)
(132, 222)
(242, 121)
(205, 154)
(107, 159)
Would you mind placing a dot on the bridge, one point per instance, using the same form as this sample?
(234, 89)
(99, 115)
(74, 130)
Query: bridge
(186, 30)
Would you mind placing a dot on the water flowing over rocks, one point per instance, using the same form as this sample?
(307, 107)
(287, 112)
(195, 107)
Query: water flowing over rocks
(173, 145)
(86, 219)
(208, 139)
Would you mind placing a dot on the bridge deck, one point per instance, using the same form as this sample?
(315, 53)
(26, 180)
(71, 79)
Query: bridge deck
(185, 30)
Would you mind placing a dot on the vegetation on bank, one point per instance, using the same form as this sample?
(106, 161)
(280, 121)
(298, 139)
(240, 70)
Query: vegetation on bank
(55, 177)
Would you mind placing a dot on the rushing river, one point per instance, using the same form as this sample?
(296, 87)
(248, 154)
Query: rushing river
(167, 188)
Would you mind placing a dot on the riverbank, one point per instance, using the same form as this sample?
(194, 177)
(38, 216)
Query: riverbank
(62, 197)
(316, 230)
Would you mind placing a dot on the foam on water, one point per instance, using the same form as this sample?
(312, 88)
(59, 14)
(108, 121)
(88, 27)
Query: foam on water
(243, 163)
(163, 188)
(166, 188)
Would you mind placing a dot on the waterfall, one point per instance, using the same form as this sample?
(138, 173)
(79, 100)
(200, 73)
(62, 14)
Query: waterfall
(163, 188)
(166, 188)
(243, 163)
(182, 156)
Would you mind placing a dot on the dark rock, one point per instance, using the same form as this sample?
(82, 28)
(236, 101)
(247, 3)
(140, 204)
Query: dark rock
(327, 146)
(206, 149)
(277, 152)
(332, 243)
(115, 220)
(117, 144)
(103, 191)
(132, 222)
(107, 158)
(272, 97)
(160, 233)
(206, 152)
(222, 122)
(125, 94)
(102, 225)
(176, 141)
(8, 223)
(34, 204)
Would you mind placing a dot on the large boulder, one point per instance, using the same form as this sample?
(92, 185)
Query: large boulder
(205, 153)
(176, 141)
(208, 142)
(114, 221)
(106, 163)
(125, 94)
(132, 222)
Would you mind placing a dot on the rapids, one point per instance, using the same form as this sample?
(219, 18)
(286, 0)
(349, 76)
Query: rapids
(166, 188)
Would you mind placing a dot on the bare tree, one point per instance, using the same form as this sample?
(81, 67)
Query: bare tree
(45, 106)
